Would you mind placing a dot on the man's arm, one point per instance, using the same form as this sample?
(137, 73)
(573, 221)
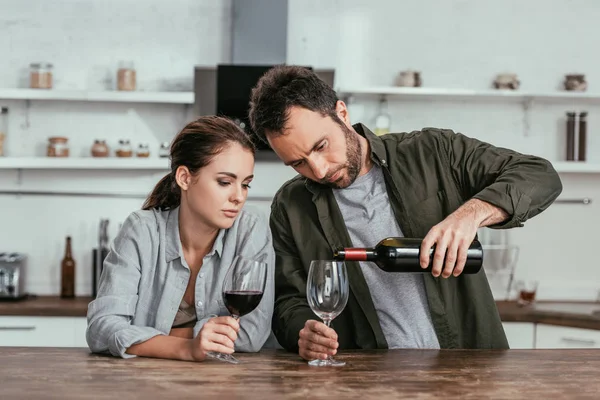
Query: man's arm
(505, 188)
(291, 310)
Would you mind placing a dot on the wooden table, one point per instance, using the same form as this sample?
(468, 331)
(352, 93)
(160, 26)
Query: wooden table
(41, 373)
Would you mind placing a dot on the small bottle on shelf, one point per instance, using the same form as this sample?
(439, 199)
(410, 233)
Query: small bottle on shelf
(570, 136)
(3, 128)
(67, 270)
(581, 152)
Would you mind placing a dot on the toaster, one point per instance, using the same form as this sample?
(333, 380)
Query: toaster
(12, 275)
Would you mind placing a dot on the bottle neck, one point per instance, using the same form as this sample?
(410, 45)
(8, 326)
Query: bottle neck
(355, 254)
(68, 249)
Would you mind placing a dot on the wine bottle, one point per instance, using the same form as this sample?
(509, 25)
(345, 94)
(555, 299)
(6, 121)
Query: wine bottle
(67, 287)
(399, 254)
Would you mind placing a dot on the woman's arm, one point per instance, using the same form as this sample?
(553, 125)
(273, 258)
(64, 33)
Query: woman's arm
(171, 347)
(109, 316)
(186, 333)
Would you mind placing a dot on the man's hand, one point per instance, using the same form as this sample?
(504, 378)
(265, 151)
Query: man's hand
(317, 341)
(453, 236)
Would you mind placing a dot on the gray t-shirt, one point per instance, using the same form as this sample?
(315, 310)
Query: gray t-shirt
(399, 298)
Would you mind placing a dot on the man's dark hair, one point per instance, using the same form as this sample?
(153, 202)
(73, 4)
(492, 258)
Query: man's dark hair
(283, 87)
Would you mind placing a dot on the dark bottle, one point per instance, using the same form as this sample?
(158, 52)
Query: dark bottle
(398, 254)
(570, 136)
(582, 135)
(67, 269)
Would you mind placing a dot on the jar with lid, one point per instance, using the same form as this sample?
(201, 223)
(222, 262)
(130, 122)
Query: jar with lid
(58, 146)
(143, 150)
(40, 75)
(126, 76)
(164, 150)
(124, 149)
(3, 128)
(100, 148)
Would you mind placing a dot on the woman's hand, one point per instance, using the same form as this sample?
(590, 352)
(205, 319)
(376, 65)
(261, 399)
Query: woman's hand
(218, 334)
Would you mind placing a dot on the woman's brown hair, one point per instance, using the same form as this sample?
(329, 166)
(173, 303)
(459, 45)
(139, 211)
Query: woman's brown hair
(195, 147)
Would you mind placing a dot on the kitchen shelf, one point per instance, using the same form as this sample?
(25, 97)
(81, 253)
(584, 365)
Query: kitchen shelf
(441, 93)
(78, 163)
(155, 163)
(99, 96)
(576, 167)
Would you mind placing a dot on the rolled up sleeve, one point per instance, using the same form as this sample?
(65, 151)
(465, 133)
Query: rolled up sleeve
(522, 185)
(109, 316)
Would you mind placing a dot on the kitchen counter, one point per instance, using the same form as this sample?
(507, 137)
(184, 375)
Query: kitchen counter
(572, 314)
(36, 373)
(46, 306)
(584, 315)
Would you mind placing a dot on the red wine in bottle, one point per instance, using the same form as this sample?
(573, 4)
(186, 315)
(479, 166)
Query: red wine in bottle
(399, 254)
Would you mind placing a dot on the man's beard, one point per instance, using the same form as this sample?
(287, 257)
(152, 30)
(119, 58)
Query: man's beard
(353, 162)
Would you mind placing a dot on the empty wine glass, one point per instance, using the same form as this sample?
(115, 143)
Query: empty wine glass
(242, 292)
(327, 293)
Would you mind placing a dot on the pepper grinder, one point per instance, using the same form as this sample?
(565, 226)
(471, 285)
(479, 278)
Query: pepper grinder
(582, 136)
(571, 136)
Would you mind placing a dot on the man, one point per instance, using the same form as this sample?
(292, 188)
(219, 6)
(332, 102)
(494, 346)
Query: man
(355, 189)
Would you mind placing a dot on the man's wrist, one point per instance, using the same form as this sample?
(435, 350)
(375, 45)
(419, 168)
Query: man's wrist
(486, 214)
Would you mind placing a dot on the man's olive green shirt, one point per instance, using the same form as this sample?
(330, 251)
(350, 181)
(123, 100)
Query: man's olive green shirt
(428, 174)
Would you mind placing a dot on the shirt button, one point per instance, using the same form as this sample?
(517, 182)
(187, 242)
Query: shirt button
(201, 274)
(199, 304)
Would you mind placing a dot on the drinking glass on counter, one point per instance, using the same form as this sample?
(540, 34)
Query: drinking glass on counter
(526, 290)
(243, 290)
(327, 291)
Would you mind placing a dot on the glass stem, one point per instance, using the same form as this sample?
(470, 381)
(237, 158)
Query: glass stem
(327, 323)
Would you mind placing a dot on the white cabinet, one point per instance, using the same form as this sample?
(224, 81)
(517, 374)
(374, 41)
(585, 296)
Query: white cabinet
(520, 335)
(560, 337)
(43, 331)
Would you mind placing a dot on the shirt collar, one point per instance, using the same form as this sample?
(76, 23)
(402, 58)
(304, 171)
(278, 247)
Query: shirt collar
(174, 249)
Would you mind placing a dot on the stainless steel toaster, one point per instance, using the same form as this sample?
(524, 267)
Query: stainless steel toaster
(12, 275)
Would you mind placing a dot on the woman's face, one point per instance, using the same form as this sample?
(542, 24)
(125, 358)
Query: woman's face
(217, 193)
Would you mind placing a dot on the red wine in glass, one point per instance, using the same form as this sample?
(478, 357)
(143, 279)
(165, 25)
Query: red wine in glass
(242, 302)
(242, 292)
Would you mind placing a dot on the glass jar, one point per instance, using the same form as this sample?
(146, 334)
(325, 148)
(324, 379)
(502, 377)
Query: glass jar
(124, 149)
(3, 128)
(58, 146)
(40, 75)
(143, 150)
(100, 148)
(126, 76)
(164, 150)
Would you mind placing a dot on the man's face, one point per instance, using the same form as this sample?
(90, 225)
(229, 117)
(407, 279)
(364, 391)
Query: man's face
(318, 147)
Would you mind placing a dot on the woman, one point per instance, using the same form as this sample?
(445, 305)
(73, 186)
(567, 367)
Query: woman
(162, 280)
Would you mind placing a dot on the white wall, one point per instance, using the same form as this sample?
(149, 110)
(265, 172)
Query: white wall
(85, 40)
(463, 44)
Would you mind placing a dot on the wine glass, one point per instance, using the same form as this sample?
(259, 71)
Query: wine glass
(327, 293)
(242, 292)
